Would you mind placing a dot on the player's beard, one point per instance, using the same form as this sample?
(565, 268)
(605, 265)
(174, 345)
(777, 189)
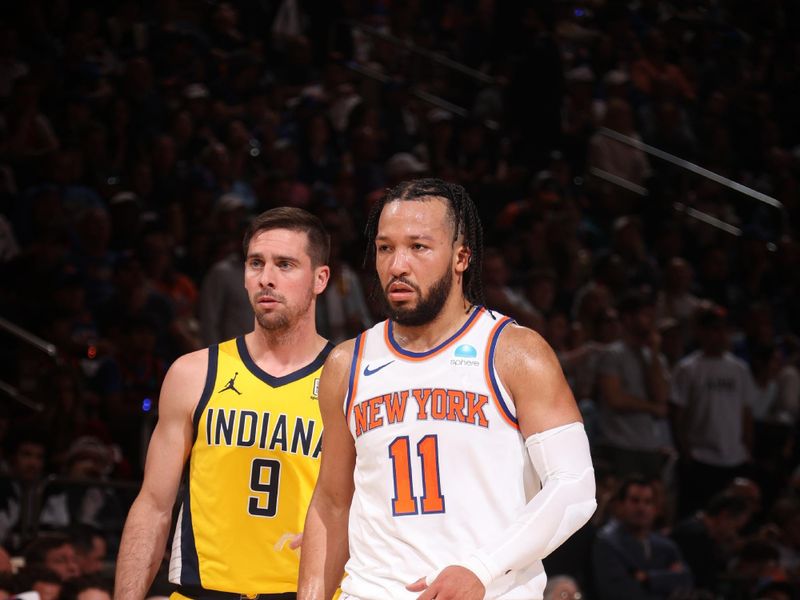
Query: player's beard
(428, 306)
(285, 316)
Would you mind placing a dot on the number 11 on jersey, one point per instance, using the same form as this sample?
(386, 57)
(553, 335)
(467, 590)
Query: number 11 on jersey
(404, 501)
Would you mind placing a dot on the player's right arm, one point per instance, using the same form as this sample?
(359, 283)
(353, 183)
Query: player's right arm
(325, 543)
(146, 529)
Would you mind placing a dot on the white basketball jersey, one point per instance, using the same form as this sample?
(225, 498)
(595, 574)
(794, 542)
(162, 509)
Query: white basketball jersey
(441, 466)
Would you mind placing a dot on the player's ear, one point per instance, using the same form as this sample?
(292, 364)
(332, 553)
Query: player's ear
(463, 258)
(321, 276)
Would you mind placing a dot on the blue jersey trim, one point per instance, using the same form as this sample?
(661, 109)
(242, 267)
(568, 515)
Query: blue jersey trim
(400, 350)
(273, 381)
(353, 370)
(208, 389)
(190, 563)
(490, 367)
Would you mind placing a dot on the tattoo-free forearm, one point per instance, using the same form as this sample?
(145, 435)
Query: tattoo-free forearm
(141, 551)
(325, 551)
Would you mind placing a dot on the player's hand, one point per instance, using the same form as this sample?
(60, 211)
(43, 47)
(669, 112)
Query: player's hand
(452, 583)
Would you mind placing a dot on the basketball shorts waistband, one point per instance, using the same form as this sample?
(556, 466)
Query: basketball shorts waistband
(198, 593)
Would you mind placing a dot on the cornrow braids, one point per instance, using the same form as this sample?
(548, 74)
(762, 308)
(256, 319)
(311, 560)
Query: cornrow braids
(463, 215)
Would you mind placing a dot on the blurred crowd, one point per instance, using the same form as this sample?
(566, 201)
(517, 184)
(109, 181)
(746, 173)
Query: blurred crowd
(138, 137)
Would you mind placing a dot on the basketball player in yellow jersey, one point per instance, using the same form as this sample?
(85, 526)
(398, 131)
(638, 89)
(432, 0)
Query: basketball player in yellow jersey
(243, 416)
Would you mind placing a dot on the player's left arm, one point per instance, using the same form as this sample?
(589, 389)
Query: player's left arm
(551, 424)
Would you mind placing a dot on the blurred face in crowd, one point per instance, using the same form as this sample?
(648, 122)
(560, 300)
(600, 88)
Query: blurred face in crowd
(416, 259)
(27, 463)
(87, 466)
(714, 339)
(638, 509)
(63, 561)
(640, 323)
(728, 525)
(607, 326)
(280, 278)
(91, 562)
(749, 490)
(678, 278)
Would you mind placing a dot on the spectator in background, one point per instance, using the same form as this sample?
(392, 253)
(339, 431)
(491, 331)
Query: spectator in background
(615, 157)
(45, 582)
(93, 256)
(709, 539)
(755, 566)
(29, 132)
(773, 434)
(673, 341)
(26, 467)
(652, 75)
(79, 499)
(86, 588)
(712, 395)
(540, 291)
(785, 533)
(751, 492)
(53, 551)
(787, 404)
(633, 386)
(158, 263)
(675, 299)
(342, 311)
(500, 296)
(629, 559)
(136, 297)
(765, 363)
(91, 549)
(714, 277)
(225, 310)
(628, 243)
(758, 328)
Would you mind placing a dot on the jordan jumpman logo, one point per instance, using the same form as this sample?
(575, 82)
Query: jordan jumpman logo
(230, 386)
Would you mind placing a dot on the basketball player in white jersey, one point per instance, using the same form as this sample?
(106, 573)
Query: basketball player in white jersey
(454, 456)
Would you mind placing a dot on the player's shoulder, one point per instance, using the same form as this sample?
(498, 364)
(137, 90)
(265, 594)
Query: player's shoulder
(336, 371)
(522, 352)
(191, 360)
(517, 338)
(185, 380)
(341, 355)
(190, 366)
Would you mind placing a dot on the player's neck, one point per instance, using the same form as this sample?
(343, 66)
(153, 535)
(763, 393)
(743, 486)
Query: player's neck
(286, 350)
(424, 337)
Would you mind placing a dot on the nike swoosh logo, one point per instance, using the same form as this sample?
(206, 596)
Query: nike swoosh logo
(368, 371)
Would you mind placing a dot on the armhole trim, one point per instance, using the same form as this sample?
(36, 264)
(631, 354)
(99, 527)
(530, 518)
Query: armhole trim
(208, 389)
(355, 365)
(491, 377)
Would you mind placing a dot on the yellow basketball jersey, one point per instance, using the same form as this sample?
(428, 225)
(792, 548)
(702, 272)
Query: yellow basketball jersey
(251, 472)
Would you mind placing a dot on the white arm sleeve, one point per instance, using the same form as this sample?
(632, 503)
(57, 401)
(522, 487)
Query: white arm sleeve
(563, 462)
